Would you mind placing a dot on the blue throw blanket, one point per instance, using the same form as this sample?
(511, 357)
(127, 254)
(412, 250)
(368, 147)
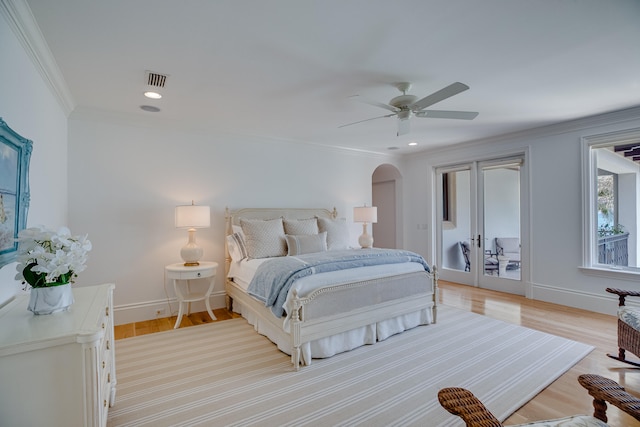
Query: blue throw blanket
(274, 277)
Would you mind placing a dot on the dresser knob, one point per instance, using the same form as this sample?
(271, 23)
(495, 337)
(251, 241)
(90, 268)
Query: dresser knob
(103, 364)
(199, 274)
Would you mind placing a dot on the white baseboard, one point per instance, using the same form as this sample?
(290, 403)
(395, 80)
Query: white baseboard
(570, 297)
(148, 310)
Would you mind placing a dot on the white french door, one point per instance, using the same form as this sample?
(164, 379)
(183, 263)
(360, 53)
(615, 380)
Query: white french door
(480, 204)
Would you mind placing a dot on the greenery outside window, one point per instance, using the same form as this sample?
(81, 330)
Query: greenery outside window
(607, 202)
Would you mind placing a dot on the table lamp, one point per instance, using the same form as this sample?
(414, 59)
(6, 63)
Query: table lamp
(365, 214)
(192, 217)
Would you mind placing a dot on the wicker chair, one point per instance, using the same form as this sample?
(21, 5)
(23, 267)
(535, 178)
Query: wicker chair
(466, 405)
(628, 327)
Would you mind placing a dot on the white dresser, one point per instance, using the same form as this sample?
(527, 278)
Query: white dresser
(58, 369)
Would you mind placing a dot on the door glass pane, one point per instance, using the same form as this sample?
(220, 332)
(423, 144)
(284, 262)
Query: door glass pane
(455, 216)
(501, 215)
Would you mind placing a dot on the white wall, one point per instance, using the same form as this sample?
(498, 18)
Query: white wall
(555, 199)
(126, 179)
(29, 108)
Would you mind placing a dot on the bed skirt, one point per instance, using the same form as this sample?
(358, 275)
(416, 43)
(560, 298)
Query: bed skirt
(339, 343)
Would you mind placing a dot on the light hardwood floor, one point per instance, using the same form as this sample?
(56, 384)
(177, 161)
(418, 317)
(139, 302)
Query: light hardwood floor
(563, 397)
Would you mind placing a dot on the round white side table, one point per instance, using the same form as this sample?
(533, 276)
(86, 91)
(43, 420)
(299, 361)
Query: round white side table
(181, 275)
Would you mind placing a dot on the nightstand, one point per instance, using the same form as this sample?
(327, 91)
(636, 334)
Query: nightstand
(182, 276)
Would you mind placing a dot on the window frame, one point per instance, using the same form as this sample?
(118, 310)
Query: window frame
(590, 263)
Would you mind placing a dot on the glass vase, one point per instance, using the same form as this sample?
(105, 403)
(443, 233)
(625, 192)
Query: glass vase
(50, 299)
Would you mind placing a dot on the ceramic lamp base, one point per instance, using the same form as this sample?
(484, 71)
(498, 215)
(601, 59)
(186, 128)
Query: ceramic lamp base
(365, 240)
(191, 253)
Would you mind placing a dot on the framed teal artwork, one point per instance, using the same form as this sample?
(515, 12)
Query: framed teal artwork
(15, 154)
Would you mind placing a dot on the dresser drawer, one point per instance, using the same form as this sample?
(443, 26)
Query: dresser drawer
(106, 381)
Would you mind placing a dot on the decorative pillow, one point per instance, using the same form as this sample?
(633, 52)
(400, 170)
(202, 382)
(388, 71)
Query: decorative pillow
(306, 243)
(337, 233)
(236, 246)
(264, 238)
(301, 226)
(630, 316)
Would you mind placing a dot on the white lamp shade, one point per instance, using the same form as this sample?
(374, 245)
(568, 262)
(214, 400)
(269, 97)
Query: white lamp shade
(191, 216)
(365, 214)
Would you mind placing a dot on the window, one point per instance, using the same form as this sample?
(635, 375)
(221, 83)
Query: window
(611, 174)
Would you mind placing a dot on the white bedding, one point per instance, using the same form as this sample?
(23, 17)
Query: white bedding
(242, 272)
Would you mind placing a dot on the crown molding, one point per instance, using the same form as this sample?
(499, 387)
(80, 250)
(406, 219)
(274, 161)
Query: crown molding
(23, 24)
(582, 124)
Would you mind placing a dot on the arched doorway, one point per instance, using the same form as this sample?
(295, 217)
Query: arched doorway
(386, 190)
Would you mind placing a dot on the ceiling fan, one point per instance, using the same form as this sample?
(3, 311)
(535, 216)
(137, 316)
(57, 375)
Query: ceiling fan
(405, 106)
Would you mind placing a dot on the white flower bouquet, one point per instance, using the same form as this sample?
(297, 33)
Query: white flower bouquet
(47, 258)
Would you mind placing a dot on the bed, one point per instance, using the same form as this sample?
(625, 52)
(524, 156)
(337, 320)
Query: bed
(337, 310)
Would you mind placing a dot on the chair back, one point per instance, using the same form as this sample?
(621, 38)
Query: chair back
(466, 250)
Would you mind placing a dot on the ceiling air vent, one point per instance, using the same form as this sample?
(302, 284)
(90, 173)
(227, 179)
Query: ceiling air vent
(156, 79)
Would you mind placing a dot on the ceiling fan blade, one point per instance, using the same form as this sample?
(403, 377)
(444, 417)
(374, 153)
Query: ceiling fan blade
(404, 126)
(441, 114)
(374, 103)
(366, 120)
(442, 94)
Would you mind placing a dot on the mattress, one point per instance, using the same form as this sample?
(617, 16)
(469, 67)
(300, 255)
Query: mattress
(242, 273)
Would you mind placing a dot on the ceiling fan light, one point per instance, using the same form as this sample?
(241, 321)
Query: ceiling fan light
(404, 114)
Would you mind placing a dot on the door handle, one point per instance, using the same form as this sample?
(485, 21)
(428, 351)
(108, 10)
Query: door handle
(479, 241)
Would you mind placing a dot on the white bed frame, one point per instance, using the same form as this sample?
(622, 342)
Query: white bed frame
(309, 328)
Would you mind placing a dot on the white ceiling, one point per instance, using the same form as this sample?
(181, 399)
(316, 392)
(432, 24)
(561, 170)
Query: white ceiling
(284, 69)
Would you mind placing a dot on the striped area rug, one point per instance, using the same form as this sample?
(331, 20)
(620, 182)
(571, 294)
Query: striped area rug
(225, 374)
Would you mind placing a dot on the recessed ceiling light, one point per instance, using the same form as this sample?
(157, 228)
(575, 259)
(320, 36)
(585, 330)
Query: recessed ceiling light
(413, 143)
(152, 94)
(149, 108)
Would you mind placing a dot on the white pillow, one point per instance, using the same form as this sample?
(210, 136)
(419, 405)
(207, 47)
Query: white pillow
(306, 243)
(237, 229)
(236, 246)
(337, 233)
(301, 226)
(264, 238)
